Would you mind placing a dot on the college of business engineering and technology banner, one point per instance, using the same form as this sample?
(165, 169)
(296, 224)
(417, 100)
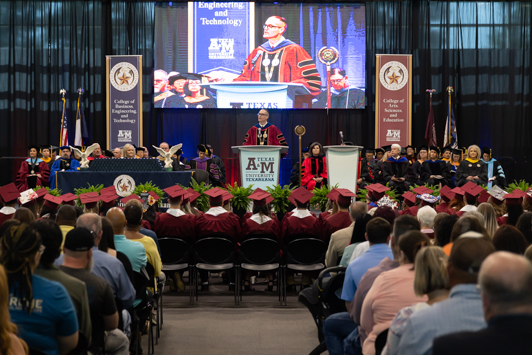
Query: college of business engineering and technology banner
(393, 100)
(124, 100)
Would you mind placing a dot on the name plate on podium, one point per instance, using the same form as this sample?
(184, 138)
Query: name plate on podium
(257, 95)
(259, 165)
(342, 166)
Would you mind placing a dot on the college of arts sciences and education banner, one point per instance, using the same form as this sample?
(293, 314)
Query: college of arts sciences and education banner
(393, 100)
(124, 100)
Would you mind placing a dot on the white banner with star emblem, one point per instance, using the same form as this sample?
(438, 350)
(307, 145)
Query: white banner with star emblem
(393, 100)
(124, 100)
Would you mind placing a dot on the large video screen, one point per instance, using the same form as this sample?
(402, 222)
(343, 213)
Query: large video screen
(259, 55)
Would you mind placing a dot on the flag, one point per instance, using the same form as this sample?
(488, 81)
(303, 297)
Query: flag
(82, 135)
(430, 130)
(454, 135)
(64, 126)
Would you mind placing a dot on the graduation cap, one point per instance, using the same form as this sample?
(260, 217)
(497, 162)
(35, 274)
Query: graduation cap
(513, 199)
(457, 192)
(63, 147)
(472, 190)
(227, 196)
(464, 150)
(175, 193)
(420, 190)
(409, 198)
(497, 194)
(192, 194)
(423, 147)
(409, 146)
(41, 193)
(90, 201)
(180, 76)
(110, 190)
(377, 191)
(302, 196)
(519, 192)
(332, 195)
(459, 152)
(428, 199)
(131, 197)
(204, 148)
(215, 195)
(387, 148)
(28, 197)
(446, 149)
(446, 194)
(403, 151)
(486, 150)
(345, 196)
(304, 150)
(484, 196)
(43, 147)
(34, 146)
(369, 150)
(432, 147)
(259, 197)
(91, 194)
(292, 200)
(153, 198)
(69, 199)
(9, 193)
(379, 150)
(139, 149)
(109, 200)
(52, 201)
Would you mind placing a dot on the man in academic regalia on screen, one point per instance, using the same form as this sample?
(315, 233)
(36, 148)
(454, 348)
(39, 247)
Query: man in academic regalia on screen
(342, 94)
(280, 60)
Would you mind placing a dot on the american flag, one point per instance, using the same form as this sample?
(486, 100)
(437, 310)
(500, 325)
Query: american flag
(64, 126)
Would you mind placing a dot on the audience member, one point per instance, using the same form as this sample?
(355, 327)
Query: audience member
(358, 236)
(490, 219)
(78, 249)
(465, 224)
(506, 288)
(52, 238)
(107, 243)
(135, 252)
(340, 219)
(461, 311)
(508, 238)
(24, 215)
(41, 308)
(524, 224)
(425, 216)
(437, 220)
(66, 220)
(342, 238)
(145, 225)
(431, 279)
(339, 325)
(10, 344)
(443, 232)
(391, 291)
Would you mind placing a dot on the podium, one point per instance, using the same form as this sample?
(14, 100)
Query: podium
(342, 165)
(259, 164)
(257, 95)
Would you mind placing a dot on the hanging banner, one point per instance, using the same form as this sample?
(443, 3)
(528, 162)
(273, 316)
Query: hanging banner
(393, 100)
(124, 100)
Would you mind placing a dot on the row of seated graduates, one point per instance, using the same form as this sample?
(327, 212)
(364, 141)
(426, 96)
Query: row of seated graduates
(180, 222)
(430, 167)
(459, 200)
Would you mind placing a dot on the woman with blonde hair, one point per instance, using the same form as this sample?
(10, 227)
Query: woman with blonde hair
(430, 279)
(10, 344)
(128, 151)
(472, 169)
(490, 218)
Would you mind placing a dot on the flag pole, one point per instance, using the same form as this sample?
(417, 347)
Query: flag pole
(430, 91)
(449, 91)
(62, 92)
(80, 92)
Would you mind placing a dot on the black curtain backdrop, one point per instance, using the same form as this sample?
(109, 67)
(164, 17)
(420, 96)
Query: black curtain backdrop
(481, 49)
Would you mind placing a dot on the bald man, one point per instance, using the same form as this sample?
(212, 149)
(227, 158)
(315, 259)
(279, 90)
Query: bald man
(264, 133)
(462, 311)
(135, 252)
(506, 290)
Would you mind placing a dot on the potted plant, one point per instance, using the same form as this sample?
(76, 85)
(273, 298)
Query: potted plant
(147, 187)
(320, 199)
(53, 192)
(241, 200)
(522, 185)
(280, 203)
(202, 202)
(82, 190)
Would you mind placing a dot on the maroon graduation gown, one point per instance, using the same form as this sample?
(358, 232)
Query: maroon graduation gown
(227, 223)
(170, 226)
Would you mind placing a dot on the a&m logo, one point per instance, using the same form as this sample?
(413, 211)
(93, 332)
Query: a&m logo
(124, 135)
(393, 135)
(222, 48)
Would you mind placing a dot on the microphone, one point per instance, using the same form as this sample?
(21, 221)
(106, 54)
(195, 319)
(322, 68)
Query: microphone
(341, 137)
(253, 62)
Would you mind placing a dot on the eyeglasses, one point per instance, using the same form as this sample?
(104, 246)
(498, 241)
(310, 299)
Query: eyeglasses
(261, 114)
(270, 26)
(337, 81)
(42, 248)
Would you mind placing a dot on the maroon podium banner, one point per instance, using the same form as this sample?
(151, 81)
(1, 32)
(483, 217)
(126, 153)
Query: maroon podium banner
(124, 100)
(393, 100)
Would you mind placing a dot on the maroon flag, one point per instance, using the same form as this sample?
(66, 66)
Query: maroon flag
(430, 130)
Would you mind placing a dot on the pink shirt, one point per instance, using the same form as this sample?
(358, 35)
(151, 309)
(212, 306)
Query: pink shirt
(391, 291)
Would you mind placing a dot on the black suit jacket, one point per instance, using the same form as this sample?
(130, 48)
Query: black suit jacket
(511, 334)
